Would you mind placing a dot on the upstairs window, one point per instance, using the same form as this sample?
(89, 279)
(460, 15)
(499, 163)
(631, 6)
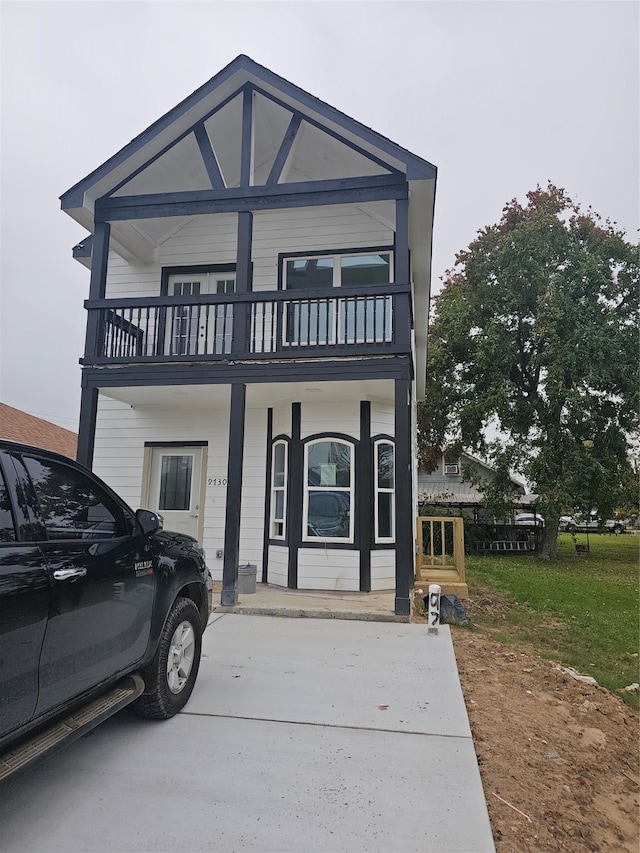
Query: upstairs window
(339, 270)
(330, 320)
(384, 491)
(328, 496)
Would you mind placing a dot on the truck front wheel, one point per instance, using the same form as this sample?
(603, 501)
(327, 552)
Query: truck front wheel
(172, 674)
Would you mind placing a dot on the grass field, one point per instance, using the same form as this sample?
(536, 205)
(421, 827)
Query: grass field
(582, 609)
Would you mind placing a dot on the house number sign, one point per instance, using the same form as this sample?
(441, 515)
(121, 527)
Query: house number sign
(217, 481)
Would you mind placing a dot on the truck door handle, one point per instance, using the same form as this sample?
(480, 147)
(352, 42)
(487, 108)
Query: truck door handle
(69, 574)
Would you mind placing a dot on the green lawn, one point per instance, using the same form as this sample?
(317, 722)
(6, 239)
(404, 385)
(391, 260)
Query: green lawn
(582, 609)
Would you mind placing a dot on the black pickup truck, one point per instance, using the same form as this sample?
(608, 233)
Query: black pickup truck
(99, 607)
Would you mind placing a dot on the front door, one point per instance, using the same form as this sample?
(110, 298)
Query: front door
(174, 489)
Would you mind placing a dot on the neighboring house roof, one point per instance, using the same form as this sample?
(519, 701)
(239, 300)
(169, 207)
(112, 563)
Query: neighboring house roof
(454, 490)
(462, 494)
(16, 425)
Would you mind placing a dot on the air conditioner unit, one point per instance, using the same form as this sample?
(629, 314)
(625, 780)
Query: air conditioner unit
(451, 468)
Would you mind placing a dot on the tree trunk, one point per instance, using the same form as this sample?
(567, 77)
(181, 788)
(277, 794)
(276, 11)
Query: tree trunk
(550, 535)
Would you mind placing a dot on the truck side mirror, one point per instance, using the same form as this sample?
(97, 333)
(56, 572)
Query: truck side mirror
(148, 522)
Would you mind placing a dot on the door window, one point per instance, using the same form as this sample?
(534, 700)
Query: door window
(184, 319)
(199, 329)
(73, 506)
(176, 474)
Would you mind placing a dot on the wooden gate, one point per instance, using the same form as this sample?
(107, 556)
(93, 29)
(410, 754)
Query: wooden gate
(440, 554)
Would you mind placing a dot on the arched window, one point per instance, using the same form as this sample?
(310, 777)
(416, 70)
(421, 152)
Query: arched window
(279, 490)
(384, 491)
(329, 489)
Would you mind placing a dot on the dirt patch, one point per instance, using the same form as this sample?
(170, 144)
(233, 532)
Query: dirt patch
(562, 752)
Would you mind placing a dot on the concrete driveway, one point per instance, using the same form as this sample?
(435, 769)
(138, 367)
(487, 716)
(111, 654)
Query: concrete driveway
(301, 735)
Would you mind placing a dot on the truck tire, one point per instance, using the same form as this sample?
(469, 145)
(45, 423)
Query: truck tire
(171, 676)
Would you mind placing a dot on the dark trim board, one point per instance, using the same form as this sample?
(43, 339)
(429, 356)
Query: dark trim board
(295, 497)
(316, 370)
(347, 290)
(246, 134)
(229, 596)
(248, 199)
(267, 496)
(87, 426)
(404, 545)
(284, 150)
(176, 444)
(208, 156)
(364, 495)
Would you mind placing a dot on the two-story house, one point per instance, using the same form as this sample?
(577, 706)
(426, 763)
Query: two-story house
(257, 331)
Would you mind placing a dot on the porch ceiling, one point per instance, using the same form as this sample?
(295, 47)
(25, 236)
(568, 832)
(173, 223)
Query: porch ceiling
(208, 397)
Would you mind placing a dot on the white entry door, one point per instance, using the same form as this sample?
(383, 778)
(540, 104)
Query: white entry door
(174, 488)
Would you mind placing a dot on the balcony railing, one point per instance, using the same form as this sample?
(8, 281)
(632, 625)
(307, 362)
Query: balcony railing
(273, 324)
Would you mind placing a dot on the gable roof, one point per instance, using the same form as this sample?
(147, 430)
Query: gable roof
(218, 90)
(16, 425)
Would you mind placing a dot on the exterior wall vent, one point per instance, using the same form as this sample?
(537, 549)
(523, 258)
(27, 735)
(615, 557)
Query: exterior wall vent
(451, 468)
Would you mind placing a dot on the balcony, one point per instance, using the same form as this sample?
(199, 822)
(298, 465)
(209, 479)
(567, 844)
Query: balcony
(352, 321)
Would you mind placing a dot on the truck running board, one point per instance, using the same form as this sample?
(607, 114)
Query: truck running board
(70, 728)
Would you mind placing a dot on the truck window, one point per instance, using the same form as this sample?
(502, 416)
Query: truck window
(7, 527)
(71, 505)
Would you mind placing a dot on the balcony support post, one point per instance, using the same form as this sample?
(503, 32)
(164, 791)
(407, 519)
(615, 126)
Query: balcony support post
(402, 262)
(242, 310)
(229, 596)
(93, 339)
(404, 498)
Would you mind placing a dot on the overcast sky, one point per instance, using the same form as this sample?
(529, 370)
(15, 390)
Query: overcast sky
(499, 95)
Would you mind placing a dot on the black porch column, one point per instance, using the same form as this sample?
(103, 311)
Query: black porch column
(229, 595)
(242, 310)
(87, 426)
(404, 502)
(93, 340)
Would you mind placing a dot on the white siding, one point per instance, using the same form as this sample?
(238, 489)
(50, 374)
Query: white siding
(282, 420)
(212, 239)
(310, 229)
(253, 486)
(382, 419)
(341, 416)
(121, 432)
(278, 570)
(383, 570)
(330, 568)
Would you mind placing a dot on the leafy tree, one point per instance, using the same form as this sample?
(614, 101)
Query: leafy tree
(533, 356)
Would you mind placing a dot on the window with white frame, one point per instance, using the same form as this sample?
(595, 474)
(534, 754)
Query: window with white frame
(451, 464)
(328, 494)
(355, 319)
(384, 491)
(279, 490)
